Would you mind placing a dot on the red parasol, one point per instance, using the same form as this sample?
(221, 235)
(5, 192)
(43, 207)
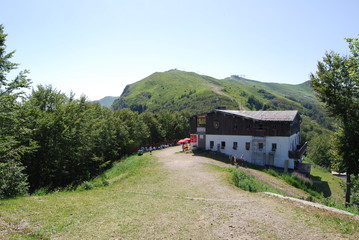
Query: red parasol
(184, 140)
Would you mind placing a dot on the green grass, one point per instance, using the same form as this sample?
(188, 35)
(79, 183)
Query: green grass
(142, 199)
(243, 179)
(175, 91)
(72, 210)
(178, 90)
(297, 181)
(322, 186)
(336, 191)
(332, 188)
(247, 182)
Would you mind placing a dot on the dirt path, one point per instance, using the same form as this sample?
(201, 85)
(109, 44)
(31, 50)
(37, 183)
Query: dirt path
(172, 196)
(218, 89)
(233, 213)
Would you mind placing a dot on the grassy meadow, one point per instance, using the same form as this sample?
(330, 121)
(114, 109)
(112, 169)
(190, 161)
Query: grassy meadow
(138, 199)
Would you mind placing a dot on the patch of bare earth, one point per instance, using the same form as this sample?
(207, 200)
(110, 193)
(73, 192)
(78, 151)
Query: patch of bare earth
(6, 228)
(231, 213)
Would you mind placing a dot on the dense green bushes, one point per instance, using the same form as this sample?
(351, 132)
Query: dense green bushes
(76, 139)
(13, 181)
(63, 140)
(51, 140)
(245, 181)
(298, 181)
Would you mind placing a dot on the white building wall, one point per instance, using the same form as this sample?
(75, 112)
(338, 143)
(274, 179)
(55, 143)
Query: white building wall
(294, 140)
(228, 150)
(284, 144)
(281, 153)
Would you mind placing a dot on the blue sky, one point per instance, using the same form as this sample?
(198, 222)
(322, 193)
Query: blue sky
(97, 47)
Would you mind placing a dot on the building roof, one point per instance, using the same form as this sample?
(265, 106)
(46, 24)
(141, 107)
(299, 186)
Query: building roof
(287, 116)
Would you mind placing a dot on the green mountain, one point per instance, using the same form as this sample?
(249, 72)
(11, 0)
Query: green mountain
(178, 90)
(106, 101)
(174, 90)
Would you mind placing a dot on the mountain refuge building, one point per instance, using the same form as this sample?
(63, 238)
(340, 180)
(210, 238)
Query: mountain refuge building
(267, 138)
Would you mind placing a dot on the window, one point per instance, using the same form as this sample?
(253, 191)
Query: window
(248, 146)
(211, 144)
(223, 145)
(260, 146)
(201, 121)
(274, 147)
(235, 145)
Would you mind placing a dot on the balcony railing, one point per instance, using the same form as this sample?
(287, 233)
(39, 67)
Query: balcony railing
(298, 153)
(201, 129)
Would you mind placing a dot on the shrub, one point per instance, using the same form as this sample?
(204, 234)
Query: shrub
(355, 191)
(272, 172)
(87, 185)
(41, 192)
(301, 182)
(245, 181)
(13, 182)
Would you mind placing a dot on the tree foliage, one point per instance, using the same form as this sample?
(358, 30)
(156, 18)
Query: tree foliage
(319, 150)
(336, 83)
(13, 182)
(13, 143)
(52, 140)
(77, 139)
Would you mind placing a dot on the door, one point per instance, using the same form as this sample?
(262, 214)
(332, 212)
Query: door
(202, 141)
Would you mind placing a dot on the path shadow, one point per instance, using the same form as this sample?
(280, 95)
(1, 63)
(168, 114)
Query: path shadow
(221, 157)
(321, 187)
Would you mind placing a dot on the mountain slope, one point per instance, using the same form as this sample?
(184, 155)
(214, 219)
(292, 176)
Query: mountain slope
(173, 90)
(106, 101)
(178, 90)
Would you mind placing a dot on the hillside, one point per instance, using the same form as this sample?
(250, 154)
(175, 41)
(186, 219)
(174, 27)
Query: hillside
(178, 90)
(106, 101)
(173, 90)
(142, 199)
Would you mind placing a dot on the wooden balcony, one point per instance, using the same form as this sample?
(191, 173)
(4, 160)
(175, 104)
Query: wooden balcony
(298, 153)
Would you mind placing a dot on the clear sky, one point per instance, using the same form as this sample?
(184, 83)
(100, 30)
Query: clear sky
(97, 47)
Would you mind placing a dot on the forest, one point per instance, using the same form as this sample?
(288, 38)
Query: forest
(52, 140)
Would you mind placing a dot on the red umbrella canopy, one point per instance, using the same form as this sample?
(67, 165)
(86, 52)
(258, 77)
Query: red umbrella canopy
(184, 140)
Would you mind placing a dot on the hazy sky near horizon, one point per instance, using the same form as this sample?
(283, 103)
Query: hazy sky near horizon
(97, 47)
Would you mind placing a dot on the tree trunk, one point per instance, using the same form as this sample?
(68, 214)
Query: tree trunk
(347, 191)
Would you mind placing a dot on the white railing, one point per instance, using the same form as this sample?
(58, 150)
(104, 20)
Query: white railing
(201, 129)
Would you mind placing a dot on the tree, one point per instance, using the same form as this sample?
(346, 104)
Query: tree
(319, 150)
(13, 181)
(76, 139)
(336, 83)
(156, 132)
(13, 144)
(134, 131)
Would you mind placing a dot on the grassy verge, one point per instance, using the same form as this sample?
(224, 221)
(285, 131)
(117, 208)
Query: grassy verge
(322, 186)
(246, 181)
(297, 181)
(83, 212)
(322, 175)
(249, 183)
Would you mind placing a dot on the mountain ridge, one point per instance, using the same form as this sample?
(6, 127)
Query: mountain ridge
(176, 90)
